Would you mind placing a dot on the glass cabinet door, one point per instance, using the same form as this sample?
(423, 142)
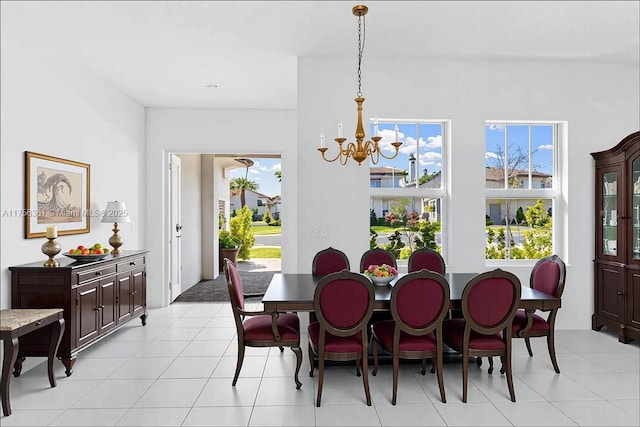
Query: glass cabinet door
(635, 208)
(610, 213)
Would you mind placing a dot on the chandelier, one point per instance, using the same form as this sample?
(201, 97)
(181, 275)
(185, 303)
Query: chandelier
(359, 150)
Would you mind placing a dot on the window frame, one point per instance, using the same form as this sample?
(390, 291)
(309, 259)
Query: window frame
(556, 193)
(442, 193)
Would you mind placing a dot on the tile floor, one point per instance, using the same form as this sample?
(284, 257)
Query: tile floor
(177, 371)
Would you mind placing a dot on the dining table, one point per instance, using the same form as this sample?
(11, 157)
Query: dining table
(289, 292)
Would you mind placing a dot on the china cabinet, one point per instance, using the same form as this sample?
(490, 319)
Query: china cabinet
(617, 239)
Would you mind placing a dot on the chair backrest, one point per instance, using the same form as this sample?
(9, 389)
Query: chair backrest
(377, 256)
(343, 302)
(234, 285)
(420, 302)
(426, 258)
(329, 260)
(490, 301)
(548, 276)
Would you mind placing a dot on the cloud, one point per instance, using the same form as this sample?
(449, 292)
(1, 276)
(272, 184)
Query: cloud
(434, 141)
(545, 147)
(431, 159)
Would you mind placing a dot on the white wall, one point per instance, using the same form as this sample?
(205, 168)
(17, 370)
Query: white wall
(209, 218)
(599, 101)
(240, 132)
(51, 108)
(191, 220)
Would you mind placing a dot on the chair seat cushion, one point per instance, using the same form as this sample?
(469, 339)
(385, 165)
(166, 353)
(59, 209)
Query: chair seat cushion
(259, 327)
(520, 322)
(334, 344)
(453, 332)
(384, 333)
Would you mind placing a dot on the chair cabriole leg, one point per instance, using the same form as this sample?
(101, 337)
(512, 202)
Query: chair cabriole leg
(298, 353)
(552, 352)
(238, 363)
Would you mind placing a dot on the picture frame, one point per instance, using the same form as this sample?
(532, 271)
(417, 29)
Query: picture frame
(56, 193)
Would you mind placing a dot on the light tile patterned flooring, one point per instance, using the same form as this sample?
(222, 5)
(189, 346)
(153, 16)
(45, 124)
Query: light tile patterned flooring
(177, 371)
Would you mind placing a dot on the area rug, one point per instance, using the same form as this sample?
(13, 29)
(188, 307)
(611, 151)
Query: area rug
(216, 290)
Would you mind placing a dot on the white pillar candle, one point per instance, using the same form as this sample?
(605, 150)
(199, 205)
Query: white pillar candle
(52, 232)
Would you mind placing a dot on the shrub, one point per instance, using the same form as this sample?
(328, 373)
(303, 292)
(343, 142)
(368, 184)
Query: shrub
(267, 217)
(241, 227)
(228, 241)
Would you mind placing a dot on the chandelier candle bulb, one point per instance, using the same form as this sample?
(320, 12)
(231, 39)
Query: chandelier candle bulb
(52, 232)
(376, 131)
(340, 129)
(397, 133)
(321, 139)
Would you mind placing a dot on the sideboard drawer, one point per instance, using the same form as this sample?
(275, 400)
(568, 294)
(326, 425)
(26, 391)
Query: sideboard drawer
(130, 264)
(84, 276)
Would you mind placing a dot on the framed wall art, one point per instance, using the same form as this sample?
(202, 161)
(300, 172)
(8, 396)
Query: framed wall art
(57, 194)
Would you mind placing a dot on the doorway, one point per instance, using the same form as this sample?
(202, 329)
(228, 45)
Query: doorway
(211, 175)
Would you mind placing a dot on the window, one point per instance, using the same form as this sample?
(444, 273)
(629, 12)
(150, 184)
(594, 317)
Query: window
(408, 192)
(522, 189)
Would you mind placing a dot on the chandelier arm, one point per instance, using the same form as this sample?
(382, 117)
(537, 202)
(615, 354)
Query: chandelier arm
(387, 157)
(323, 150)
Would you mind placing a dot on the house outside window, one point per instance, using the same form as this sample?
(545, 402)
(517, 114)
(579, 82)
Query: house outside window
(412, 184)
(522, 182)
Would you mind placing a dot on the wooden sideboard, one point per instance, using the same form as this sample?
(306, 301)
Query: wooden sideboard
(97, 297)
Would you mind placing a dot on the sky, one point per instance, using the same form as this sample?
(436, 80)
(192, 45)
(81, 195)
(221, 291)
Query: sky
(262, 173)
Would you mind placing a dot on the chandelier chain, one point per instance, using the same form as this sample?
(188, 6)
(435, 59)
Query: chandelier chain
(361, 35)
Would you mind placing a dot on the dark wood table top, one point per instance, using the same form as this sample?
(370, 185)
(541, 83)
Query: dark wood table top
(294, 292)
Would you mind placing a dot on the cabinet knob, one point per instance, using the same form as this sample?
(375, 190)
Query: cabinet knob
(39, 322)
(98, 273)
(620, 293)
(132, 263)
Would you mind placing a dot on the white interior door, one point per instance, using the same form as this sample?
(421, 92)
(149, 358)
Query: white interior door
(175, 228)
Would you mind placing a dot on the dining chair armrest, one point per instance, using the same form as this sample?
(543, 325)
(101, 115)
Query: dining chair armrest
(274, 320)
(529, 312)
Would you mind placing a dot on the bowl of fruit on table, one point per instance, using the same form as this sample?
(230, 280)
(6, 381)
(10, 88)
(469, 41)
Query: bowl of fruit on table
(87, 254)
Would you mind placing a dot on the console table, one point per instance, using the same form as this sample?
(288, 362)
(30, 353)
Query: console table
(97, 297)
(16, 323)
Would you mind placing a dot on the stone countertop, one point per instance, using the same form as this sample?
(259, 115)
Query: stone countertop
(12, 319)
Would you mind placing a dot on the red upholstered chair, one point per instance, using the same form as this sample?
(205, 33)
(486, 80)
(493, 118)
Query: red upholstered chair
(548, 276)
(489, 304)
(377, 256)
(343, 303)
(419, 304)
(329, 260)
(260, 328)
(426, 258)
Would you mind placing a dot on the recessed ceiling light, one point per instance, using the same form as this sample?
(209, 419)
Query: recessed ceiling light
(211, 86)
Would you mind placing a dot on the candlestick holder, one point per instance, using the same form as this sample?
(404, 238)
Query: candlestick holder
(51, 248)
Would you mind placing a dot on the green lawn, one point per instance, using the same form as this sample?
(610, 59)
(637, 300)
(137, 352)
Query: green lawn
(384, 229)
(260, 229)
(265, 252)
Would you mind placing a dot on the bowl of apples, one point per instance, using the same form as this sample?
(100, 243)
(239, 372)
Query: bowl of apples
(88, 254)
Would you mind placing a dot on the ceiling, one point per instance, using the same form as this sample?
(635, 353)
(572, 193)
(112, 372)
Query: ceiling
(163, 54)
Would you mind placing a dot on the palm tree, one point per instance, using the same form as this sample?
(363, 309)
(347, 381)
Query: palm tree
(239, 185)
